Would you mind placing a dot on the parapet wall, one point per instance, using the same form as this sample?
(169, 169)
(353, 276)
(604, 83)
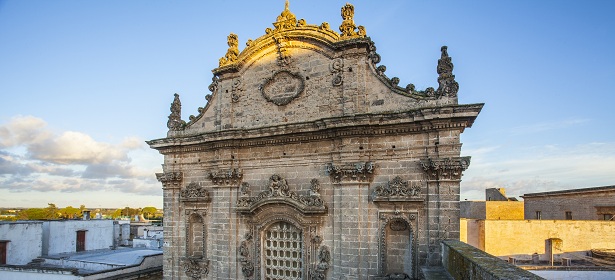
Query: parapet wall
(465, 262)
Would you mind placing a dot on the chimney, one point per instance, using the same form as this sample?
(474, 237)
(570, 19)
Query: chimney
(86, 215)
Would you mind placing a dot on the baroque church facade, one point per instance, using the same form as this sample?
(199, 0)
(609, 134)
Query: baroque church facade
(308, 162)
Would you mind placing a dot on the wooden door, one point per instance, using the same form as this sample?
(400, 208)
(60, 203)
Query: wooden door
(80, 240)
(3, 252)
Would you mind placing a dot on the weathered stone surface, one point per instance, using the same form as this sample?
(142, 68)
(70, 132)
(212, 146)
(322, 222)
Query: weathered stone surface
(304, 134)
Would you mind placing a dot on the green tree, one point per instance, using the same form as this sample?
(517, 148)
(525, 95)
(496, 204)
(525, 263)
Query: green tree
(149, 212)
(34, 214)
(70, 212)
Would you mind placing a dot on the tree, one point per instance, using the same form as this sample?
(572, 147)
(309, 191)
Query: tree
(70, 212)
(34, 214)
(149, 211)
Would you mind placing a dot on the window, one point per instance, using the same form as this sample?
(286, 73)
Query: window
(283, 252)
(608, 217)
(538, 215)
(3, 246)
(568, 215)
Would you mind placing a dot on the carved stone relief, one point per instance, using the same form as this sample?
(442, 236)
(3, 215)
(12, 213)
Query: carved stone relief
(282, 87)
(445, 168)
(194, 192)
(175, 122)
(170, 179)
(360, 171)
(230, 177)
(278, 191)
(398, 190)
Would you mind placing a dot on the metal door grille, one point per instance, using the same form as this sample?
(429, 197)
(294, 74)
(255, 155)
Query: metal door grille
(282, 252)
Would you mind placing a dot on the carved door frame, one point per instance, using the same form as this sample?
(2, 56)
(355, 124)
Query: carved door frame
(411, 218)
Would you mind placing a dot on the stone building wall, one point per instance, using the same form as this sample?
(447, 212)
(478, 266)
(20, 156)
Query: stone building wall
(583, 204)
(308, 160)
(526, 237)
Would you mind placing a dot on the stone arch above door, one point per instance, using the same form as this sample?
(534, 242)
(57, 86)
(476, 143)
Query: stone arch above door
(397, 245)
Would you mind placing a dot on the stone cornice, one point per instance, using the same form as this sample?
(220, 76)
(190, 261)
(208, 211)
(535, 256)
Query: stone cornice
(416, 121)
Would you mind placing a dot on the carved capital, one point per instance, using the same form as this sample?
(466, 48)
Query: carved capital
(230, 177)
(445, 168)
(360, 171)
(170, 179)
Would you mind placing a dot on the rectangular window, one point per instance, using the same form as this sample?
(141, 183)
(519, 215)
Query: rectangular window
(568, 215)
(608, 217)
(3, 249)
(538, 215)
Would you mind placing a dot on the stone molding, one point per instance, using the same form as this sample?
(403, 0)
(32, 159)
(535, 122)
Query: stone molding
(282, 87)
(359, 171)
(409, 122)
(278, 192)
(170, 180)
(443, 169)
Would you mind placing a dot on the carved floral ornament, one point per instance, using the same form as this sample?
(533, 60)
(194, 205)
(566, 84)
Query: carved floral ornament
(398, 190)
(194, 192)
(228, 177)
(360, 171)
(279, 191)
(170, 179)
(195, 268)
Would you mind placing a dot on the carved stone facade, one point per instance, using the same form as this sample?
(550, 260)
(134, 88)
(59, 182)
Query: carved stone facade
(308, 162)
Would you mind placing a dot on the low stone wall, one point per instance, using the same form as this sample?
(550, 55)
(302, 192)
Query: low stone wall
(465, 262)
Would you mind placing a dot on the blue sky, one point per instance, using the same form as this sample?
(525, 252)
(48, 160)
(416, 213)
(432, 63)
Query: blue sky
(85, 83)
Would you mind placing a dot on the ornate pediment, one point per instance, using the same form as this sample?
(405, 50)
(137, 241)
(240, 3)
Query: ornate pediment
(194, 192)
(360, 171)
(279, 192)
(398, 190)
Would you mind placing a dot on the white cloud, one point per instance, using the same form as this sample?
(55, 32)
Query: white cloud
(549, 168)
(71, 161)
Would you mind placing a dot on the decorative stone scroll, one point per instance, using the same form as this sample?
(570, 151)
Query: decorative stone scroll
(278, 191)
(194, 192)
(228, 177)
(348, 27)
(175, 122)
(233, 50)
(195, 268)
(360, 171)
(282, 87)
(170, 179)
(337, 68)
(319, 272)
(445, 168)
(446, 80)
(397, 190)
(245, 257)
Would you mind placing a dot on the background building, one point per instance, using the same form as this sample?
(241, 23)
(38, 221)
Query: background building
(575, 204)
